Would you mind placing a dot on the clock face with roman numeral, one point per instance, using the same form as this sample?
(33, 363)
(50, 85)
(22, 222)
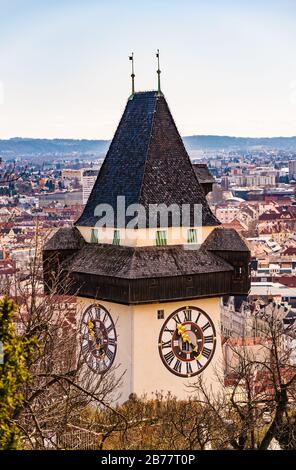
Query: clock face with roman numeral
(187, 341)
(99, 339)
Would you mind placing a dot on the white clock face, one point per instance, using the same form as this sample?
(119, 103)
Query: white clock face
(187, 341)
(99, 339)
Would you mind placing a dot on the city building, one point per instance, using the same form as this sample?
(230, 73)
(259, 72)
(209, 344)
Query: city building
(68, 173)
(233, 316)
(88, 179)
(292, 169)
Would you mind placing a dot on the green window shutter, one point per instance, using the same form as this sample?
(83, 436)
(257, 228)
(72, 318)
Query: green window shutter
(161, 238)
(94, 236)
(191, 235)
(116, 237)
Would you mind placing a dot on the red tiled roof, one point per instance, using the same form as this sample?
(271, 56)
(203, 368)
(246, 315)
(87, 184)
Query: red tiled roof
(234, 224)
(7, 267)
(290, 251)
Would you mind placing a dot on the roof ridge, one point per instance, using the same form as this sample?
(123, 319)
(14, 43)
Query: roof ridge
(148, 147)
(183, 156)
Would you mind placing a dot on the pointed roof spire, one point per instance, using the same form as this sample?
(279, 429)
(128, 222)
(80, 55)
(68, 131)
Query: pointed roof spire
(131, 57)
(158, 73)
(148, 164)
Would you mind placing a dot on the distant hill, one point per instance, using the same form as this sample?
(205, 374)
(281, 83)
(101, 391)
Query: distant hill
(203, 142)
(56, 147)
(25, 147)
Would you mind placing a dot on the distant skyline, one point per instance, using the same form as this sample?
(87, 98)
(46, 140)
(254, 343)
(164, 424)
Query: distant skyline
(228, 67)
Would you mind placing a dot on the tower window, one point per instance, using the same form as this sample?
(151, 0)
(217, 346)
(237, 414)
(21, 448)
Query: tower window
(161, 238)
(160, 314)
(116, 237)
(94, 236)
(238, 272)
(191, 235)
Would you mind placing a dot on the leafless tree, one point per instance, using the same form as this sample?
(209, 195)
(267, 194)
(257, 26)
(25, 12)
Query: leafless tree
(68, 406)
(9, 173)
(161, 422)
(254, 407)
(61, 388)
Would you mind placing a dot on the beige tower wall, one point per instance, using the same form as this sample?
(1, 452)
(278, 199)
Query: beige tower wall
(138, 356)
(149, 372)
(146, 237)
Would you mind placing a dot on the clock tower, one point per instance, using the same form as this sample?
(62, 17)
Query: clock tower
(148, 260)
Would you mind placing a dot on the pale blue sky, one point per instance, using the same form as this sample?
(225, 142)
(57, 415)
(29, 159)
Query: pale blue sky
(228, 67)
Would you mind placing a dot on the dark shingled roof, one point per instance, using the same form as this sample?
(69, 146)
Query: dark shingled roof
(144, 262)
(203, 173)
(147, 163)
(90, 173)
(225, 239)
(65, 238)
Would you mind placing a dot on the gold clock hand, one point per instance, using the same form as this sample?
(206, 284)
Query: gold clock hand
(185, 338)
(182, 332)
(91, 328)
(98, 341)
(181, 329)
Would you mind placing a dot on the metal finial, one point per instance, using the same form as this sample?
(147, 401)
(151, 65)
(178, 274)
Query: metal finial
(131, 57)
(158, 73)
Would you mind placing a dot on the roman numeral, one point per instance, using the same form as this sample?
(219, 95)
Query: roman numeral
(197, 318)
(187, 315)
(85, 348)
(169, 357)
(92, 314)
(177, 319)
(185, 346)
(206, 326)
(110, 328)
(110, 354)
(167, 330)
(96, 364)
(112, 341)
(209, 339)
(188, 368)
(105, 317)
(178, 366)
(206, 352)
(166, 344)
(199, 366)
